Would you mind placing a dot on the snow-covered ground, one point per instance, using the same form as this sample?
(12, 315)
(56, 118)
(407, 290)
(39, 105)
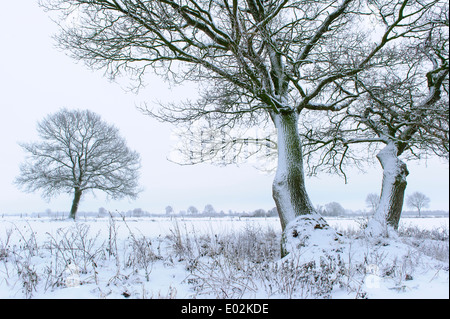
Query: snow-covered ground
(214, 258)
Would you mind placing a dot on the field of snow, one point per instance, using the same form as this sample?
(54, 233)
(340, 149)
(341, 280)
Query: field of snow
(214, 258)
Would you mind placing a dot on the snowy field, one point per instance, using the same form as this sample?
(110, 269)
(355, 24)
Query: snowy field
(214, 258)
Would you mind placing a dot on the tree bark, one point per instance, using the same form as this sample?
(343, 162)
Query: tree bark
(394, 183)
(288, 189)
(301, 224)
(76, 201)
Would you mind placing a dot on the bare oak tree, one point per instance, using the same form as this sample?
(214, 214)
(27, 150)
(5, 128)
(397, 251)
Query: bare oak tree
(372, 201)
(79, 152)
(258, 61)
(418, 201)
(403, 115)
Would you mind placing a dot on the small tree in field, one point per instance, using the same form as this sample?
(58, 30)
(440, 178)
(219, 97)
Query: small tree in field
(418, 201)
(334, 209)
(169, 210)
(209, 210)
(372, 201)
(192, 210)
(79, 152)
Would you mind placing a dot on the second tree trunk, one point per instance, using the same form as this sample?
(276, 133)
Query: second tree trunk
(387, 215)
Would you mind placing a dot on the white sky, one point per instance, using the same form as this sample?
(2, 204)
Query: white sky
(36, 79)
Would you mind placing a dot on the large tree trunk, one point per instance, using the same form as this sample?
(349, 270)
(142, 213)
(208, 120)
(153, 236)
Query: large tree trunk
(76, 201)
(288, 188)
(302, 225)
(387, 215)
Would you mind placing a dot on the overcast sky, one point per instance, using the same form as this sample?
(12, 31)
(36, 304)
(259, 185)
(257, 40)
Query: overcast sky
(36, 79)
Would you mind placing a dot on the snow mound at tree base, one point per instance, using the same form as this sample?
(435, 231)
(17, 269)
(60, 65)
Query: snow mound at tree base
(312, 253)
(309, 234)
(325, 264)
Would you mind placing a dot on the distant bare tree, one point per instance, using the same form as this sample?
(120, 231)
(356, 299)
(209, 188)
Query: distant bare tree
(192, 210)
(372, 201)
(334, 209)
(102, 212)
(79, 152)
(169, 210)
(209, 210)
(418, 201)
